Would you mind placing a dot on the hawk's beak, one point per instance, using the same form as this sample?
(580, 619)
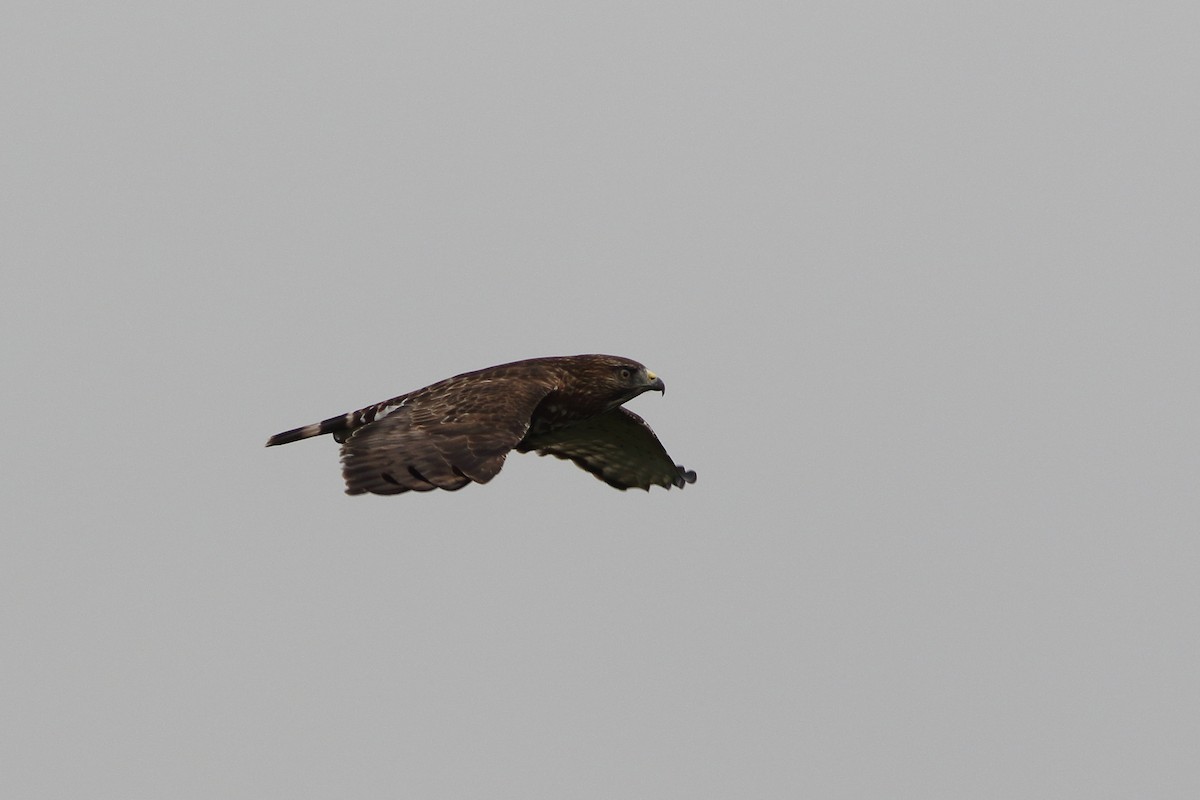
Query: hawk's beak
(656, 383)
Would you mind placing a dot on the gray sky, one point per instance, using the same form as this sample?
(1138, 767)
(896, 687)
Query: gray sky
(923, 281)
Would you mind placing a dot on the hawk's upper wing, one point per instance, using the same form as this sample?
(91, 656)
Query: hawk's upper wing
(617, 447)
(443, 436)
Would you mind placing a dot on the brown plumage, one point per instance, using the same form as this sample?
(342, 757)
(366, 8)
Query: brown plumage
(461, 429)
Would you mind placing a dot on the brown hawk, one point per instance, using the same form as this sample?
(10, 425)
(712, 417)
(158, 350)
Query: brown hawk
(461, 429)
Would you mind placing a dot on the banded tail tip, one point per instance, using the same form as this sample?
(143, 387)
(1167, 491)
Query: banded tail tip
(334, 425)
(294, 435)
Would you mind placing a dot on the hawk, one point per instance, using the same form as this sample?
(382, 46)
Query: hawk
(460, 430)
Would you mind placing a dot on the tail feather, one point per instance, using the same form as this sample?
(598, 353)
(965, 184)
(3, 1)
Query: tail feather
(343, 425)
(332, 425)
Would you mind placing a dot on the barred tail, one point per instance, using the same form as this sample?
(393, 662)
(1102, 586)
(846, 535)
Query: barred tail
(332, 425)
(341, 426)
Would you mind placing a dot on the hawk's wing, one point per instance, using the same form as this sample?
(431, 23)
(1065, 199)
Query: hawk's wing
(617, 447)
(443, 436)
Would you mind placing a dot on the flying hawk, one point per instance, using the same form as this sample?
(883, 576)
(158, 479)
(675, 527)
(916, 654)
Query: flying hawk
(461, 429)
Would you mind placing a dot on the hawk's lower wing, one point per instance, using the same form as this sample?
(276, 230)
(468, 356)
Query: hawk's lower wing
(442, 437)
(617, 447)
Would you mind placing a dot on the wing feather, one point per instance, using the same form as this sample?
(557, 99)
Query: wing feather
(618, 447)
(444, 436)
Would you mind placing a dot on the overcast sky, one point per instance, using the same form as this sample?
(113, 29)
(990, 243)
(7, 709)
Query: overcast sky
(923, 280)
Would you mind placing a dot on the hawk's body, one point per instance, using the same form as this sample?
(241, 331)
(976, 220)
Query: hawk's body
(461, 429)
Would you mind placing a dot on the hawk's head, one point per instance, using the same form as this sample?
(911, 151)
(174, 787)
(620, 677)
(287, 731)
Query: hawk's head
(614, 380)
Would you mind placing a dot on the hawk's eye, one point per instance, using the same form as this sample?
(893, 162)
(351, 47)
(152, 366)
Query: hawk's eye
(625, 373)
